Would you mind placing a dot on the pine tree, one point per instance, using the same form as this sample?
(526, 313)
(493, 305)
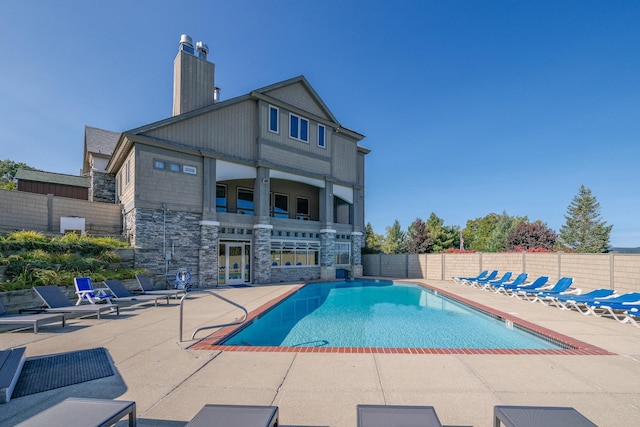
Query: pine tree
(372, 241)
(584, 231)
(394, 240)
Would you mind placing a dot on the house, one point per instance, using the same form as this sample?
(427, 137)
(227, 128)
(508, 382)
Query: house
(62, 185)
(266, 187)
(98, 147)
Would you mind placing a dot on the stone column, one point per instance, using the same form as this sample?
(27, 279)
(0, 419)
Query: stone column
(262, 253)
(327, 254)
(356, 253)
(208, 254)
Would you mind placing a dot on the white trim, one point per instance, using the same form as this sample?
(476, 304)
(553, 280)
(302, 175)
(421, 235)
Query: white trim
(328, 230)
(345, 193)
(227, 170)
(210, 223)
(277, 131)
(263, 226)
(324, 147)
(300, 119)
(297, 178)
(357, 233)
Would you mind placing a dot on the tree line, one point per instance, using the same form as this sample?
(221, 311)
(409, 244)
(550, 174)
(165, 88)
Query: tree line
(584, 231)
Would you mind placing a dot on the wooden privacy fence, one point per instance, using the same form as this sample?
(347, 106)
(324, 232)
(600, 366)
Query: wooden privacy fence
(589, 271)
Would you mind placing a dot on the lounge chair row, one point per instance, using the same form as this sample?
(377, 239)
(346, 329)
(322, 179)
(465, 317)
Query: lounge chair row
(625, 308)
(99, 412)
(57, 307)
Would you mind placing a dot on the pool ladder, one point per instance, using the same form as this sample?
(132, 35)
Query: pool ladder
(239, 322)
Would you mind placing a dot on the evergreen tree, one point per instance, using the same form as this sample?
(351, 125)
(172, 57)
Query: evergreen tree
(584, 231)
(498, 240)
(372, 241)
(395, 239)
(442, 237)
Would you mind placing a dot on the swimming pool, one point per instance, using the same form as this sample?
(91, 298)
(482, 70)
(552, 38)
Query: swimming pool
(381, 314)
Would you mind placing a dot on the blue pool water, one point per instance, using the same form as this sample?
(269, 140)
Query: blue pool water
(363, 313)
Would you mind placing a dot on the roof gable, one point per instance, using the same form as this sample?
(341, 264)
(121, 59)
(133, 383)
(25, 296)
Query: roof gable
(299, 93)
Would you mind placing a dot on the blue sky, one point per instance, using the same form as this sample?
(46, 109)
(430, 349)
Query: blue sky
(469, 107)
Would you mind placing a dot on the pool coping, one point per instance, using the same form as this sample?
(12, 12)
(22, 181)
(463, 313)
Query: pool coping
(578, 347)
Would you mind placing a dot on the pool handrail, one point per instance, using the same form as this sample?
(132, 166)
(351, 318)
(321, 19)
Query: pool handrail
(184, 297)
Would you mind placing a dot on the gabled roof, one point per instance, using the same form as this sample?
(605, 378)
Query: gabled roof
(302, 80)
(52, 178)
(124, 139)
(100, 141)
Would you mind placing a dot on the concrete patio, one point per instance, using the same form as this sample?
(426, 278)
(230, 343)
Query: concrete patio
(170, 383)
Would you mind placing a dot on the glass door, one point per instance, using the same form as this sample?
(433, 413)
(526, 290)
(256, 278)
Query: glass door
(233, 261)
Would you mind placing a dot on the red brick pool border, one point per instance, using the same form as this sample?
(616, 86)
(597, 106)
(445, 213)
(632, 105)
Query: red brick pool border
(577, 347)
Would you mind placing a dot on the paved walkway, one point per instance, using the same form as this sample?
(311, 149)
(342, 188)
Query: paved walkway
(171, 383)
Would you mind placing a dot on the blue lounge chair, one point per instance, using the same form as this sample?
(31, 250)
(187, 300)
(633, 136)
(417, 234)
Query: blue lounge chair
(618, 303)
(622, 312)
(494, 286)
(537, 284)
(561, 287)
(482, 282)
(560, 300)
(461, 279)
(491, 276)
(86, 291)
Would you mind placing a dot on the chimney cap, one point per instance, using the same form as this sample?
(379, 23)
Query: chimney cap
(186, 39)
(203, 49)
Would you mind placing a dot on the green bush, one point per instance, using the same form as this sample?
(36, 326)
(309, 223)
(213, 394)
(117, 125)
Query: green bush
(48, 261)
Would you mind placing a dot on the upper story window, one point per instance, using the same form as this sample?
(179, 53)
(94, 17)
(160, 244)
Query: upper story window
(128, 172)
(221, 198)
(302, 208)
(159, 164)
(280, 206)
(322, 142)
(298, 128)
(245, 202)
(174, 167)
(274, 121)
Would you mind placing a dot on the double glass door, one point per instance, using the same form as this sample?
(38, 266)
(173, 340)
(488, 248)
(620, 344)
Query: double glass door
(234, 263)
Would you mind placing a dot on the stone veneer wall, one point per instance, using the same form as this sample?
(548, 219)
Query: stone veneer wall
(103, 187)
(327, 254)
(357, 242)
(208, 261)
(261, 262)
(181, 234)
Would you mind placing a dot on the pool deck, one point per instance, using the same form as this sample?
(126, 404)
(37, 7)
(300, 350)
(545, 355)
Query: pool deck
(170, 382)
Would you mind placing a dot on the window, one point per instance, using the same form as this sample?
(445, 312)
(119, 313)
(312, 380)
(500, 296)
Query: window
(280, 207)
(342, 253)
(245, 202)
(221, 198)
(173, 167)
(128, 172)
(273, 119)
(190, 170)
(322, 143)
(292, 254)
(302, 208)
(298, 128)
(159, 164)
